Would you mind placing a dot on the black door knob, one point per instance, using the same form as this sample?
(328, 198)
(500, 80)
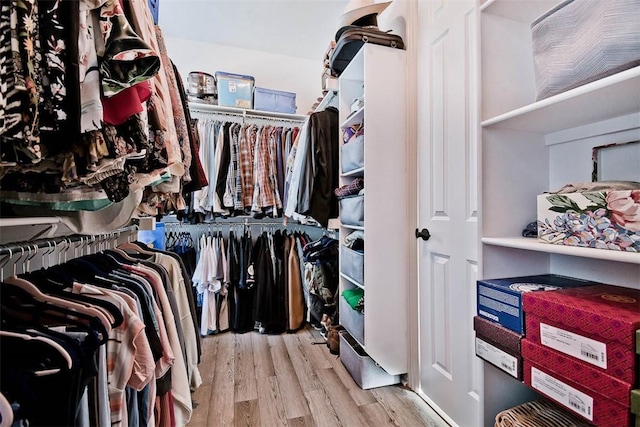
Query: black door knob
(423, 234)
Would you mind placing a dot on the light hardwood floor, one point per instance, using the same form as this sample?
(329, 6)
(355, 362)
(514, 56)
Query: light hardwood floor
(286, 380)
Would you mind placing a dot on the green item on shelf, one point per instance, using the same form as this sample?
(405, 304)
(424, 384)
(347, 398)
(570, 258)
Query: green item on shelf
(353, 296)
(638, 341)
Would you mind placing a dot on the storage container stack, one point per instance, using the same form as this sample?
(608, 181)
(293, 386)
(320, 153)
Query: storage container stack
(500, 325)
(572, 341)
(238, 91)
(579, 349)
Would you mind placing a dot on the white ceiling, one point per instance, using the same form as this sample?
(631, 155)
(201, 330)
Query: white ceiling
(298, 28)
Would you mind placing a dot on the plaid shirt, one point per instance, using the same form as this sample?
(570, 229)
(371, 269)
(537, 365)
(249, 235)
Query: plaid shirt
(231, 192)
(261, 196)
(274, 140)
(350, 189)
(246, 145)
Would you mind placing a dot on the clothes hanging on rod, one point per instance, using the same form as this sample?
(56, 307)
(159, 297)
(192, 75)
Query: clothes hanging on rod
(92, 110)
(271, 281)
(312, 170)
(245, 168)
(112, 334)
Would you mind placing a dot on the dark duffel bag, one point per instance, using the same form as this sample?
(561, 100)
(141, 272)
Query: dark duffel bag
(351, 38)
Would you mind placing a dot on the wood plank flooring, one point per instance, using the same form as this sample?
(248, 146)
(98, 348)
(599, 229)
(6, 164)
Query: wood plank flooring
(287, 380)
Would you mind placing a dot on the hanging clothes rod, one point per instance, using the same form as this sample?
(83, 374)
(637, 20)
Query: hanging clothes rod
(328, 100)
(179, 226)
(16, 247)
(210, 109)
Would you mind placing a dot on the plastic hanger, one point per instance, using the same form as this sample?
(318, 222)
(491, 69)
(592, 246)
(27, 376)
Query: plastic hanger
(6, 412)
(5, 261)
(38, 313)
(56, 282)
(38, 295)
(64, 353)
(134, 248)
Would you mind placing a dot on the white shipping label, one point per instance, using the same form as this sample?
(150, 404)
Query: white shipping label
(232, 86)
(494, 355)
(568, 396)
(583, 348)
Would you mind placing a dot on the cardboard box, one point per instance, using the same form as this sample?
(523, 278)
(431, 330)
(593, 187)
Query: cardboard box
(498, 334)
(594, 407)
(600, 219)
(578, 371)
(235, 90)
(500, 300)
(500, 357)
(609, 357)
(596, 324)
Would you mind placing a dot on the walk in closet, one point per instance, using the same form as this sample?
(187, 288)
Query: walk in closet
(169, 259)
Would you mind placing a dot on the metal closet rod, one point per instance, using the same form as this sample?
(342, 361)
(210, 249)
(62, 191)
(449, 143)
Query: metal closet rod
(200, 114)
(178, 225)
(15, 247)
(246, 223)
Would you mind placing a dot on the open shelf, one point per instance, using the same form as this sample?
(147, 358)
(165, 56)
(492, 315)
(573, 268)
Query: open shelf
(607, 98)
(522, 11)
(350, 280)
(353, 118)
(328, 99)
(210, 108)
(353, 227)
(354, 173)
(533, 245)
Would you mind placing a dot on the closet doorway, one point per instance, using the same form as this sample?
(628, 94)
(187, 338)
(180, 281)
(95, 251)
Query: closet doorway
(447, 135)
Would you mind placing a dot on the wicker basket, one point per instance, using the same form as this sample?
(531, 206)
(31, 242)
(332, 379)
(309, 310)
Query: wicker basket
(538, 413)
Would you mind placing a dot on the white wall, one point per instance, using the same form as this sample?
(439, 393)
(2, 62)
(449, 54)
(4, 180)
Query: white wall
(271, 71)
(394, 18)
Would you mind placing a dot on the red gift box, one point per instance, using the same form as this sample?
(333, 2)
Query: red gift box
(578, 371)
(596, 324)
(598, 409)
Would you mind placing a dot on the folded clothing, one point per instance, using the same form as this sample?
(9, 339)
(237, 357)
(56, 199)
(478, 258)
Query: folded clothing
(350, 189)
(355, 298)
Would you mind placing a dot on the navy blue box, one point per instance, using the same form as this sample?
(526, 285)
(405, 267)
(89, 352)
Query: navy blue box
(500, 300)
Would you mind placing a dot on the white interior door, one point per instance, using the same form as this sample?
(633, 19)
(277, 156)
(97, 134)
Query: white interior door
(448, 126)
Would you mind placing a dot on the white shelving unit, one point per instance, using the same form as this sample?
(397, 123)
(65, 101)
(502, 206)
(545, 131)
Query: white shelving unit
(374, 73)
(530, 147)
